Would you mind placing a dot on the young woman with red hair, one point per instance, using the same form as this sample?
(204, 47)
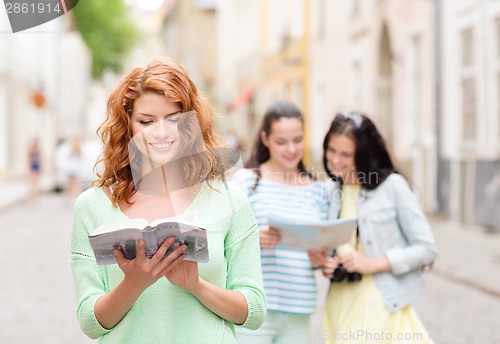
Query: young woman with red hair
(160, 160)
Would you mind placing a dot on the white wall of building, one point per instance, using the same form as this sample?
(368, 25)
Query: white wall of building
(351, 44)
(36, 60)
(471, 147)
(239, 42)
(345, 68)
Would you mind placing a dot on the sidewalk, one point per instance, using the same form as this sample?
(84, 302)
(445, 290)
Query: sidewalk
(12, 193)
(467, 254)
(15, 192)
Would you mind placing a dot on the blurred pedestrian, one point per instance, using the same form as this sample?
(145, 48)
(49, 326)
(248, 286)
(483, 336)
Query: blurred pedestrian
(35, 168)
(377, 276)
(159, 161)
(276, 181)
(74, 169)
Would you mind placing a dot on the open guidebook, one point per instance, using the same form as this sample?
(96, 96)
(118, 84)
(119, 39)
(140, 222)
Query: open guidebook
(126, 235)
(313, 235)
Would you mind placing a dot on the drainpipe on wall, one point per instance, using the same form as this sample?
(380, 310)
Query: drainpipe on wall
(438, 103)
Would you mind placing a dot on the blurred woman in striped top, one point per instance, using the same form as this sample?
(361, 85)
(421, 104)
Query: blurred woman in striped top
(277, 182)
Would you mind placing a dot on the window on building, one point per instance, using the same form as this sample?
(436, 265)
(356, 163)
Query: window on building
(416, 87)
(467, 45)
(356, 85)
(355, 7)
(497, 64)
(498, 99)
(321, 18)
(469, 108)
(468, 87)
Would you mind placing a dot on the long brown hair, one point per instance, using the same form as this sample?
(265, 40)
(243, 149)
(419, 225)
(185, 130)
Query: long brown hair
(166, 77)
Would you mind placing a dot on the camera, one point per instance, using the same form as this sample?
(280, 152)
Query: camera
(340, 273)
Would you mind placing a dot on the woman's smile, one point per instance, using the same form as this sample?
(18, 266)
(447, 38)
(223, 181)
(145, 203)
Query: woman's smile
(163, 146)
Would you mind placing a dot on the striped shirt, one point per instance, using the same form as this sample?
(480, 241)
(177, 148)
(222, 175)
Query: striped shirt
(289, 281)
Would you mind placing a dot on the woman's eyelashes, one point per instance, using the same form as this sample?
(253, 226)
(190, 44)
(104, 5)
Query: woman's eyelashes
(171, 119)
(284, 142)
(343, 154)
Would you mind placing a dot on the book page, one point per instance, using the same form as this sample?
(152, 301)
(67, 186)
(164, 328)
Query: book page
(112, 227)
(103, 245)
(188, 219)
(193, 236)
(313, 235)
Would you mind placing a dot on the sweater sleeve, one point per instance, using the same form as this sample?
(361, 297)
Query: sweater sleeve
(87, 275)
(242, 251)
(421, 249)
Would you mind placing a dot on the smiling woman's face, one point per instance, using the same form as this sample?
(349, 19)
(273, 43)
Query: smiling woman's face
(154, 127)
(340, 155)
(285, 142)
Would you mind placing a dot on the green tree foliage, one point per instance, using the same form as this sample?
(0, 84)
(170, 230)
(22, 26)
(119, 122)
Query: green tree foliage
(108, 32)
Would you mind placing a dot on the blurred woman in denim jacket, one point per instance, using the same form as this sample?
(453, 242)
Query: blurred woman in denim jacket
(376, 276)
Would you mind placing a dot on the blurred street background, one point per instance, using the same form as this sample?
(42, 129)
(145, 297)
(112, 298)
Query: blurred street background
(426, 71)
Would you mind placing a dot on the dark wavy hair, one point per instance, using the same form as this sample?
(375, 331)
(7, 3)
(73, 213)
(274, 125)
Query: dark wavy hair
(371, 155)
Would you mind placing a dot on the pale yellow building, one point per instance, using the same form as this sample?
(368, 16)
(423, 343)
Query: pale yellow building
(263, 56)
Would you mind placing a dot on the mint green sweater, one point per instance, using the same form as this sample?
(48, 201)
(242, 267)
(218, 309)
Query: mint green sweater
(165, 313)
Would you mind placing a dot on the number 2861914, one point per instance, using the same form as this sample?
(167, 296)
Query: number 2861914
(25, 8)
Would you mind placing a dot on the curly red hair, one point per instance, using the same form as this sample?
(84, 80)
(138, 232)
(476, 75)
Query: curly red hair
(162, 76)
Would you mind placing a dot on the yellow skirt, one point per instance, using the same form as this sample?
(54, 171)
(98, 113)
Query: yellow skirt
(355, 313)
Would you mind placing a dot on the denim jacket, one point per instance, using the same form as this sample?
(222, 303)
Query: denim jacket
(391, 223)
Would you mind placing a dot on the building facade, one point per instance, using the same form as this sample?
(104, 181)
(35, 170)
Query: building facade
(263, 56)
(377, 57)
(44, 75)
(189, 35)
(471, 110)
(426, 71)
